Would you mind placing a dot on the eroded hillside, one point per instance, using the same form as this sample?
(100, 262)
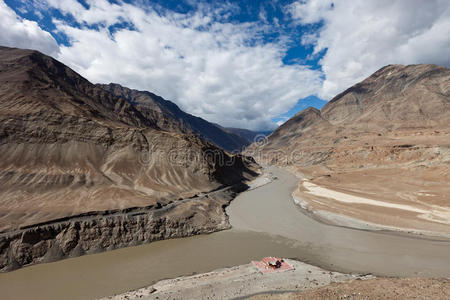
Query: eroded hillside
(70, 149)
(385, 139)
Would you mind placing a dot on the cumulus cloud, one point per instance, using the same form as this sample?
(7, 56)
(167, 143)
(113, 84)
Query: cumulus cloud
(225, 71)
(22, 33)
(212, 68)
(361, 36)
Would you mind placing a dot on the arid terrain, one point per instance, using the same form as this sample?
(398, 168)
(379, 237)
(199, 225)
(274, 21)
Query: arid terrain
(377, 154)
(305, 282)
(89, 168)
(180, 149)
(379, 288)
(83, 170)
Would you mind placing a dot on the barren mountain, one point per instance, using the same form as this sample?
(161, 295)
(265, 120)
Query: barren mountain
(378, 152)
(83, 170)
(168, 116)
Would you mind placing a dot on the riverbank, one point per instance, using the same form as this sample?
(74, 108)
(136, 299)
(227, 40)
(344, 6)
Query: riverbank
(265, 222)
(354, 207)
(270, 210)
(240, 281)
(100, 231)
(305, 282)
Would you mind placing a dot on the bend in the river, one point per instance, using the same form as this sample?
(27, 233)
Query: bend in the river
(270, 209)
(266, 222)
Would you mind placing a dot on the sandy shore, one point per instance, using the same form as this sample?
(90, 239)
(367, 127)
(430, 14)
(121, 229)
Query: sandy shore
(266, 177)
(355, 210)
(339, 219)
(240, 281)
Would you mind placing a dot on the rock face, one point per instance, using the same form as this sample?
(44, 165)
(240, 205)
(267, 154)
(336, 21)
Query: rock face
(168, 116)
(99, 231)
(386, 138)
(395, 97)
(69, 147)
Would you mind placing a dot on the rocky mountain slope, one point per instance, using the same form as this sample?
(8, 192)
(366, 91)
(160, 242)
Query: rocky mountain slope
(250, 135)
(385, 139)
(168, 116)
(75, 159)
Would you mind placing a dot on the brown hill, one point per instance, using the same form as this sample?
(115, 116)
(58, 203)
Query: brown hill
(385, 139)
(71, 150)
(168, 116)
(394, 97)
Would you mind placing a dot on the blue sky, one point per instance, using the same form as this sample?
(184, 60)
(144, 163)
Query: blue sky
(249, 64)
(249, 11)
(311, 101)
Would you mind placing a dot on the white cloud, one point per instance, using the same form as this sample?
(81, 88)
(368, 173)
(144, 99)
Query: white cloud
(361, 36)
(22, 33)
(281, 121)
(100, 11)
(223, 71)
(308, 12)
(220, 71)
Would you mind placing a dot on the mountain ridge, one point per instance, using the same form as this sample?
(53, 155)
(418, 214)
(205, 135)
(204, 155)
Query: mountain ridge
(70, 149)
(386, 139)
(168, 116)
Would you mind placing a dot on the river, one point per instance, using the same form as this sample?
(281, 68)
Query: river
(265, 222)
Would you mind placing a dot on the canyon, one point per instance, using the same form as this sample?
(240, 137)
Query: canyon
(88, 168)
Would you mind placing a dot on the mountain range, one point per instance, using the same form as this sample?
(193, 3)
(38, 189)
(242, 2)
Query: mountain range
(170, 117)
(91, 167)
(82, 164)
(386, 139)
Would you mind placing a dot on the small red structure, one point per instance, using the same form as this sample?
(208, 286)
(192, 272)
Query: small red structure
(268, 265)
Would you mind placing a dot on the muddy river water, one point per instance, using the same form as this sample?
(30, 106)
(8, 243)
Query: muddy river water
(265, 222)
